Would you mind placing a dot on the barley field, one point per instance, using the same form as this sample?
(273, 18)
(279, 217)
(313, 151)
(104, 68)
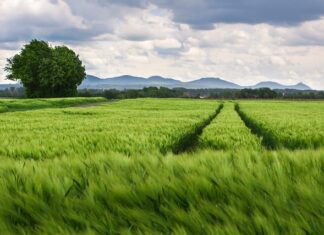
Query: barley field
(161, 166)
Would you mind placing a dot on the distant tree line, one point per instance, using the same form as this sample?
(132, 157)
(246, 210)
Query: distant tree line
(154, 92)
(163, 92)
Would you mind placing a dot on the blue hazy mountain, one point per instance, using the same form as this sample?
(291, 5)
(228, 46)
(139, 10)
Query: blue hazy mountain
(132, 82)
(129, 82)
(162, 80)
(211, 83)
(275, 85)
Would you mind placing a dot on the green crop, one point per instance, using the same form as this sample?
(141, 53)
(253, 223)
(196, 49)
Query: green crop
(127, 126)
(228, 132)
(205, 193)
(293, 125)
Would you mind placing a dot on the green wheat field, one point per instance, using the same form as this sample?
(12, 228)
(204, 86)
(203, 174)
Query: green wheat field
(161, 166)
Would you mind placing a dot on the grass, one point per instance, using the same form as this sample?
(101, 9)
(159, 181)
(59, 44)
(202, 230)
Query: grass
(123, 167)
(282, 124)
(228, 132)
(127, 126)
(3, 109)
(210, 192)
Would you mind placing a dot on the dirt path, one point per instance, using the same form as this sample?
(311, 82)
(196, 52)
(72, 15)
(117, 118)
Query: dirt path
(94, 104)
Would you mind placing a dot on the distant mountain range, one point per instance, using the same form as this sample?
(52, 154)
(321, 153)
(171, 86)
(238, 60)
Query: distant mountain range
(131, 82)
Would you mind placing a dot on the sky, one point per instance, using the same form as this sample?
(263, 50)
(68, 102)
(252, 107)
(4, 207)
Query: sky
(243, 41)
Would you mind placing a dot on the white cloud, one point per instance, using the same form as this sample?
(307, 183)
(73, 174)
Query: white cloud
(21, 20)
(169, 43)
(308, 33)
(144, 25)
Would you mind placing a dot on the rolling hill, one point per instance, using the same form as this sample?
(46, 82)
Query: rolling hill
(275, 85)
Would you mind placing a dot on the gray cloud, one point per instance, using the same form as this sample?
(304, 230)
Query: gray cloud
(129, 3)
(82, 20)
(204, 13)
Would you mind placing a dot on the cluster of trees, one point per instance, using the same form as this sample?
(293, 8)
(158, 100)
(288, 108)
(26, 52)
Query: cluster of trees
(161, 92)
(262, 93)
(46, 71)
(289, 94)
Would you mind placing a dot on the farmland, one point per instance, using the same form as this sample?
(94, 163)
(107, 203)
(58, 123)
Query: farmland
(287, 124)
(170, 166)
(128, 126)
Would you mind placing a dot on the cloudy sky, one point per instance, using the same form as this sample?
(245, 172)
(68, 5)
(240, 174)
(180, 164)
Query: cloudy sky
(244, 41)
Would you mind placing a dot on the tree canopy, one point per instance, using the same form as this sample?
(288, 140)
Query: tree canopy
(46, 71)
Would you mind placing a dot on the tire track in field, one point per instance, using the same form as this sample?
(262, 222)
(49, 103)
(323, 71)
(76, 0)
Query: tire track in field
(267, 138)
(5, 109)
(189, 142)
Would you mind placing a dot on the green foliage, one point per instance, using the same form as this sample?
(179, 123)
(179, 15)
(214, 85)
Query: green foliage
(284, 124)
(228, 132)
(206, 193)
(46, 71)
(161, 92)
(261, 93)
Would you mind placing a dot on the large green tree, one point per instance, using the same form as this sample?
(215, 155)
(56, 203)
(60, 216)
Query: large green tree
(46, 71)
